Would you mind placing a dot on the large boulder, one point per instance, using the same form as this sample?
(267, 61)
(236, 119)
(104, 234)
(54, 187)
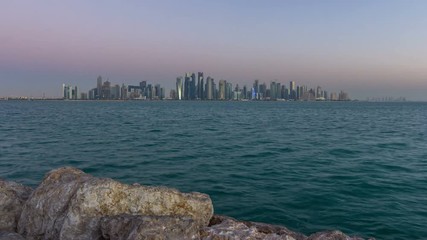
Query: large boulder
(130, 227)
(45, 211)
(69, 204)
(12, 197)
(226, 228)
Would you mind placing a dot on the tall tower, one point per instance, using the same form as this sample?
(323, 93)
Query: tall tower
(179, 88)
(143, 88)
(262, 91)
(292, 90)
(209, 88)
(65, 91)
(187, 86)
(273, 91)
(221, 89)
(106, 90)
(98, 87)
(123, 92)
(200, 85)
(193, 91)
(278, 91)
(256, 88)
(74, 93)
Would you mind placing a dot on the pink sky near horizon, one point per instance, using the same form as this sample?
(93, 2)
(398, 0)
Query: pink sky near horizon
(48, 45)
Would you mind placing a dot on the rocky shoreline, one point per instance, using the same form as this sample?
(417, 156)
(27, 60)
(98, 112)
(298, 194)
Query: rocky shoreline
(70, 204)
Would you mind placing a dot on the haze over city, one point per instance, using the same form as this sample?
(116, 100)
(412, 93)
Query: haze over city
(367, 48)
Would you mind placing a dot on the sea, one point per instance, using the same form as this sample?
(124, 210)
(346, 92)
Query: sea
(360, 167)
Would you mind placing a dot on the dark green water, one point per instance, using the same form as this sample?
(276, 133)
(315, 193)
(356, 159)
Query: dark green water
(358, 167)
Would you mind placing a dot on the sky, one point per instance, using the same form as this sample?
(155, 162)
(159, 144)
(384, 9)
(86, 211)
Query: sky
(368, 48)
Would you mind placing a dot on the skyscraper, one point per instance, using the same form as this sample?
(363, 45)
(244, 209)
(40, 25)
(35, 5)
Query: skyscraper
(157, 92)
(65, 91)
(123, 94)
(162, 93)
(68, 92)
(221, 89)
(98, 87)
(256, 89)
(228, 91)
(273, 91)
(106, 90)
(193, 87)
(200, 85)
(179, 88)
(279, 91)
(187, 86)
(93, 93)
(262, 91)
(215, 90)
(149, 92)
(292, 90)
(143, 88)
(209, 88)
(284, 92)
(115, 92)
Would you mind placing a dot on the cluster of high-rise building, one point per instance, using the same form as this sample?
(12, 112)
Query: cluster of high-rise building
(192, 87)
(196, 87)
(107, 91)
(69, 92)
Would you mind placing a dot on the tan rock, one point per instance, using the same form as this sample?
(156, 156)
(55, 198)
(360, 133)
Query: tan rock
(45, 211)
(12, 198)
(226, 228)
(69, 204)
(129, 227)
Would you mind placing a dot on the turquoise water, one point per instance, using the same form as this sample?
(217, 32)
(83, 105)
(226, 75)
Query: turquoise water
(355, 166)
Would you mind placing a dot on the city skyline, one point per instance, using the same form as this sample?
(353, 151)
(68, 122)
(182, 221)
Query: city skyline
(367, 48)
(194, 87)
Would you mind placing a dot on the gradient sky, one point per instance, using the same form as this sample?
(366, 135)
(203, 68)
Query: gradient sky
(369, 48)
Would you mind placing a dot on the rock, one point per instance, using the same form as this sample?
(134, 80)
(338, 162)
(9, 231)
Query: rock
(331, 235)
(226, 228)
(10, 236)
(12, 198)
(129, 227)
(69, 204)
(45, 211)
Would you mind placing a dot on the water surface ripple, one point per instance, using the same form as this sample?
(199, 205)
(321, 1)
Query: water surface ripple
(358, 167)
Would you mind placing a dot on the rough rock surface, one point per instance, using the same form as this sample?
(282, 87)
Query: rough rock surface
(332, 235)
(69, 204)
(226, 228)
(12, 197)
(10, 236)
(129, 227)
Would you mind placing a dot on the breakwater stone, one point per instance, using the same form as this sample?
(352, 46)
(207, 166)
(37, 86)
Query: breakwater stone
(70, 204)
(125, 227)
(12, 198)
(227, 228)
